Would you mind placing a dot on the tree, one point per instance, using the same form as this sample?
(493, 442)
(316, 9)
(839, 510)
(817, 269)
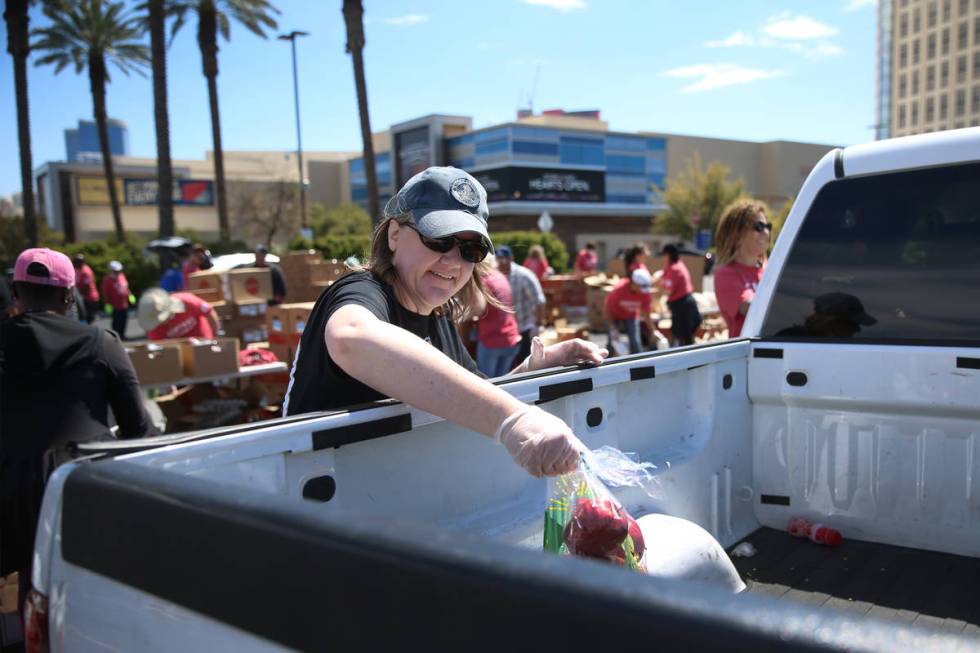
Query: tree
(212, 18)
(696, 191)
(265, 209)
(155, 12)
(344, 220)
(91, 34)
(18, 45)
(353, 17)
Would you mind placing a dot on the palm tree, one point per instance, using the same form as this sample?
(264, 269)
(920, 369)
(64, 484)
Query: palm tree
(353, 14)
(212, 18)
(18, 45)
(156, 13)
(91, 34)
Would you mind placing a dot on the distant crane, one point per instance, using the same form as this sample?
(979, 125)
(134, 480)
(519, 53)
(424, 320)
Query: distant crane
(528, 108)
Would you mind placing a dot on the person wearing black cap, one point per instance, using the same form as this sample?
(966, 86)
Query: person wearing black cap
(278, 283)
(58, 378)
(685, 318)
(388, 329)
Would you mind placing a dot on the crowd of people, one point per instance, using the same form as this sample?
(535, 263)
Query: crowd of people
(386, 329)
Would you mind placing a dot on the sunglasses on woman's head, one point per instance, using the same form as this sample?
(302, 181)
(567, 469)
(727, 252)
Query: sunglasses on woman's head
(762, 225)
(472, 251)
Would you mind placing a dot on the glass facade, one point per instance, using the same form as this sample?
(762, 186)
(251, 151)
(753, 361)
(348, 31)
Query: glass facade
(358, 179)
(884, 99)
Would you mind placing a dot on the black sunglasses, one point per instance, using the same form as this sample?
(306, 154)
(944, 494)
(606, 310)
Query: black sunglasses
(472, 251)
(762, 225)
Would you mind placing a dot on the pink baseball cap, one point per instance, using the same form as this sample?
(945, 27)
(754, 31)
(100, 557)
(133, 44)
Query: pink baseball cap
(44, 266)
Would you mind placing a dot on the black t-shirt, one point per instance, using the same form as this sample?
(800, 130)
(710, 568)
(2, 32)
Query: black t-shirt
(317, 383)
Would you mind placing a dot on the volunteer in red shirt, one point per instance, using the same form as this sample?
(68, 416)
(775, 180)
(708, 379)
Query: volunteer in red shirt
(537, 262)
(586, 261)
(500, 337)
(627, 304)
(636, 257)
(179, 315)
(85, 282)
(115, 292)
(741, 240)
(685, 318)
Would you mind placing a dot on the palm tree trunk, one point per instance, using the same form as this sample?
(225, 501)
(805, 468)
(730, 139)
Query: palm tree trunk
(353, 14)
(15, 14)
(207, 39)
(97, 75)
(165, 175)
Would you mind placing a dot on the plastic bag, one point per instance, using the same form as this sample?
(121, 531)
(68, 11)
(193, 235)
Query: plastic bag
(584, 519)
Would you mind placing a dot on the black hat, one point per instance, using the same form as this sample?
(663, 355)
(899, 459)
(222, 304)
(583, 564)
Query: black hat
(443, 201)
(843, 306)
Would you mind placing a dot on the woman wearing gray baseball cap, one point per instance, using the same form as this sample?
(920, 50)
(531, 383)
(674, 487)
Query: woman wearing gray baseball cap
(387, 329)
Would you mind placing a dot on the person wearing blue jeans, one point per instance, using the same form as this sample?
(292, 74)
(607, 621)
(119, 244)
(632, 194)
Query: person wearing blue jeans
(495, 361)
(632, 330)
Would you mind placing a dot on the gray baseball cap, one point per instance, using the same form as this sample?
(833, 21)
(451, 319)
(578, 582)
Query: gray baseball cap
(443, 201)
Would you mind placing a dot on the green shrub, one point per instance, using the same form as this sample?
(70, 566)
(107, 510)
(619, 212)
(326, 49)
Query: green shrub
(521, 241)
(338, 247)
(141, 271)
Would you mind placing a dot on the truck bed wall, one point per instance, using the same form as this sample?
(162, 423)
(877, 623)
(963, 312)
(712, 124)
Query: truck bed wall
(879, 441)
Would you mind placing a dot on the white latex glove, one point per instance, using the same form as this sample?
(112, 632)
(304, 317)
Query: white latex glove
(540, 442)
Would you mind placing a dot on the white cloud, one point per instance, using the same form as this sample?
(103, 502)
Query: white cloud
(711, 76)
(738, 38)
(786, 26)
(560, 5)
(408, 20)
(855, 5)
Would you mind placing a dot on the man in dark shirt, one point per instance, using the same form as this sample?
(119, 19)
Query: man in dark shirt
(58, 378)
(278, 283)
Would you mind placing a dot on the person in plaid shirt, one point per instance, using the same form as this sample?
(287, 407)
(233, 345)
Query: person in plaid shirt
(528, 299)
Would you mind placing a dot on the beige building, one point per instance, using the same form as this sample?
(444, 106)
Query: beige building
(928, 66)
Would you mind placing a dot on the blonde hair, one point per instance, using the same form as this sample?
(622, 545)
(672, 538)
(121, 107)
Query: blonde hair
(739, 217)
(536, 251)
(382, 265)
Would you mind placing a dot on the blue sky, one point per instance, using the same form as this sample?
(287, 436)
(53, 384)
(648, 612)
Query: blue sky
(752, 69)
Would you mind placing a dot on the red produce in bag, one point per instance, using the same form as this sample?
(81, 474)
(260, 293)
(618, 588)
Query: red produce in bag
(584, 519)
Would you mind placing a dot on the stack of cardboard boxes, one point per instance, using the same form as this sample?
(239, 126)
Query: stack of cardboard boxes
(285, 324)
(307, 275)
(564, 296)
(239, 297)
(168, 361)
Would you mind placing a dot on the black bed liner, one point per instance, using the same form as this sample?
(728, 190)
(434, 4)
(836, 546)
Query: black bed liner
(893, 582)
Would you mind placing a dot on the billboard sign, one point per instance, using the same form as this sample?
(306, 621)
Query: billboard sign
(94, 191)
(543, 185)
(187, 192)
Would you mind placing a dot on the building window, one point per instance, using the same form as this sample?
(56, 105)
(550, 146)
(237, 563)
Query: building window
(915, 52)
(946, 41)
(916, 22)
(960, 102)
(964, 6)
(915, 83)
(930, 109)
(536, 148)
(976, 31)
(621, 164)
(903, 56)
(902, 87)
(946, 9)
(931, 78)
(583, 151)
(961, 69)
(932, 15)
(944, 74)
(901, 117)
(975, 100)
(903, 26)
(976, 64)
(491, 147)
(961, 36)
(931, 47)
(943, 106)
(915, 114)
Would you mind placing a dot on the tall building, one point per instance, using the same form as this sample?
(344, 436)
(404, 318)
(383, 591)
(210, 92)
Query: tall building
(82, 143)
(928, 66)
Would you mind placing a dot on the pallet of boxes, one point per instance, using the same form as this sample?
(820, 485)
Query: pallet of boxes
(565, 308)
(307, 275)
(240, 298)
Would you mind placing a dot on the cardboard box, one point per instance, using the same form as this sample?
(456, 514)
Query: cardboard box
(8, 593)
(203, 358)
(298, 315)
(207, 285)
(251, 307)
(223, 309)
(283, 351)
(249, 283)
(156, 363)
(277, 324)
(298, 259)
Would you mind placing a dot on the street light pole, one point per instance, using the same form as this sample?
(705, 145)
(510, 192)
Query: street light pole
(291, 37)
